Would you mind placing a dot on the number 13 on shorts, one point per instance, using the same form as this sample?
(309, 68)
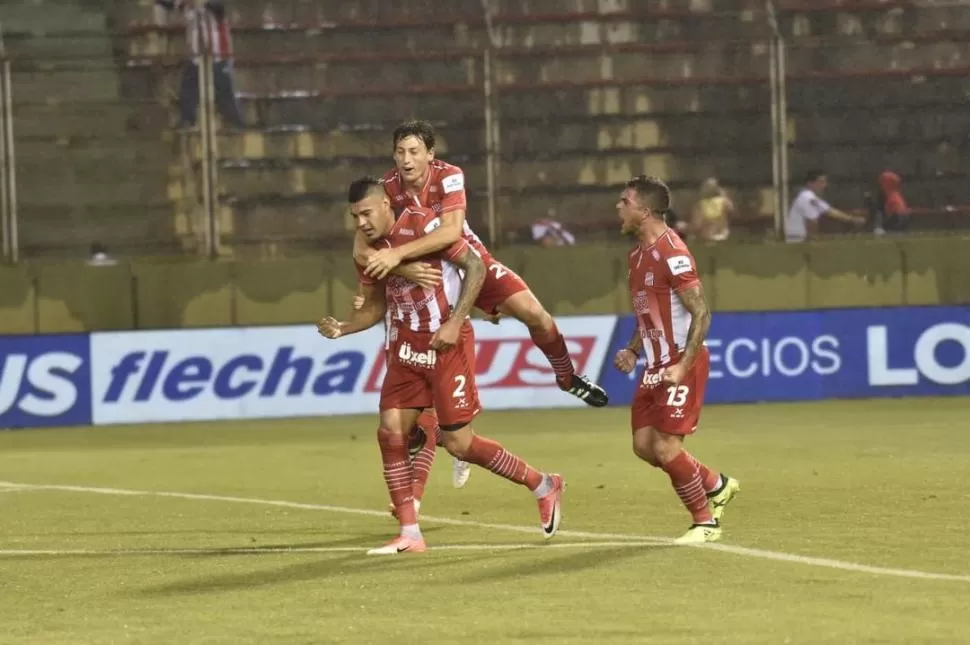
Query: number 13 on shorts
(677, 395)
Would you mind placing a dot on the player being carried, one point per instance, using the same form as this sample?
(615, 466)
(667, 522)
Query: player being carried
(431, 361)
(419, 179)
(672, 322)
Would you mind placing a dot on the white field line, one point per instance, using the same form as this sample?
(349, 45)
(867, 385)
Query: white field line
(323, 549)
(640, 540)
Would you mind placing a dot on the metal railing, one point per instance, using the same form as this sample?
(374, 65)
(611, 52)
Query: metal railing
(8, 167)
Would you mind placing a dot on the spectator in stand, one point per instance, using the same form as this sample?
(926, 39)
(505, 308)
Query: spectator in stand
(808, 207)
(206, 28)
(549, 232)
(889, 210)
(709, 219)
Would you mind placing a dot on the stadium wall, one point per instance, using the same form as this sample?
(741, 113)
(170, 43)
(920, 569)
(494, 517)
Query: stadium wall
(289, 371)
(582, 280)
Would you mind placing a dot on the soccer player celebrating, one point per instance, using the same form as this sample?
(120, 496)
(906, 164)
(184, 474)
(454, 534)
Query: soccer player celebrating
(672, 322)
(419, 179)
(431, 361)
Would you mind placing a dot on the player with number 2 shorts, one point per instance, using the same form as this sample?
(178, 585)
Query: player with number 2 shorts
(431, 362)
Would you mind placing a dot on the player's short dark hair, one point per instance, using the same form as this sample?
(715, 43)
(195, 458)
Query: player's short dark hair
(362, 187)
(813, 175)
(420, 129)
(652, 192)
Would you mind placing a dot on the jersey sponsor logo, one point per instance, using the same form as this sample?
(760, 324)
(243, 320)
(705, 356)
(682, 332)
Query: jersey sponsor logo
(453, 183)
(679, 264)
(407, 232)
(409, 356)
(44, 380)
(648, 278)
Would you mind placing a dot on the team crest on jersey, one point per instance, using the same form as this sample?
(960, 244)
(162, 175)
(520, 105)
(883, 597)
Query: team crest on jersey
(655, 254)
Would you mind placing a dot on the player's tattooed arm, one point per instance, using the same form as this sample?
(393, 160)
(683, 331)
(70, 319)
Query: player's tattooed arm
(471, 262)
(449, 333)
(695, 302)
(369, 314)
(636, 342)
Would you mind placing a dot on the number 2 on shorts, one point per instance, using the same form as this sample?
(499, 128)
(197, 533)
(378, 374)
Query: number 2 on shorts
(677, 395)
(459, 386)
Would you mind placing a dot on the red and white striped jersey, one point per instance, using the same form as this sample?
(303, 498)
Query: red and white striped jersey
(657, 273)
(206, 28)
(444, 191)
(420, 309)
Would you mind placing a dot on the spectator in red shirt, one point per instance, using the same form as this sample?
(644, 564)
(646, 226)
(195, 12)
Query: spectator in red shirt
(891, 211)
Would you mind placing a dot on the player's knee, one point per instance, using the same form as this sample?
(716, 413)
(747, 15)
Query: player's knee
(456, 439)
(665, 447)
(645, 453)
(388, 433)
(643, 449)
(529, 311)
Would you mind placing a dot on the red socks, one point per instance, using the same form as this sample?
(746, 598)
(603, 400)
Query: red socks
(685, 476)
(423, 461)
(493, 457)
(711, 479)
(397, 474)
(553, 345)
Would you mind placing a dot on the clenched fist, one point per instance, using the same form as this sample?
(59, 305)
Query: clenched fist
(625, 361)
(330, 327)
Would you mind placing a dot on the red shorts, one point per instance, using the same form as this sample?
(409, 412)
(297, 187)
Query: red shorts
(419, 377)
(673, 409)
(501, 283)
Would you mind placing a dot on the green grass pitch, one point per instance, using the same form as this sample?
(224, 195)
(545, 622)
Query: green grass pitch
(851, 528)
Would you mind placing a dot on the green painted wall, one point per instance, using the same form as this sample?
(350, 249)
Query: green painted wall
(579, 280)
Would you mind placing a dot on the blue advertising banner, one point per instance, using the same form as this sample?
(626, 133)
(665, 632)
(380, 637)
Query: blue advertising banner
(252, 372)
(810, 355)
(45, 381)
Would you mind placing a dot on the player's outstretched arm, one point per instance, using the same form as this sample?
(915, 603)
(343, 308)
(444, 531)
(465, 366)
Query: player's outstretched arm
(369, 314)
(835, 213)
(696, 303)
(385, 261)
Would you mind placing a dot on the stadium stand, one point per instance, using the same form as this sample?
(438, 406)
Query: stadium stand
(587, 98)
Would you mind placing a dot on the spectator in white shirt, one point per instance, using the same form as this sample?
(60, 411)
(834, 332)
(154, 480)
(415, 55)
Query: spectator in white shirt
(808, 207)
(549, 232)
